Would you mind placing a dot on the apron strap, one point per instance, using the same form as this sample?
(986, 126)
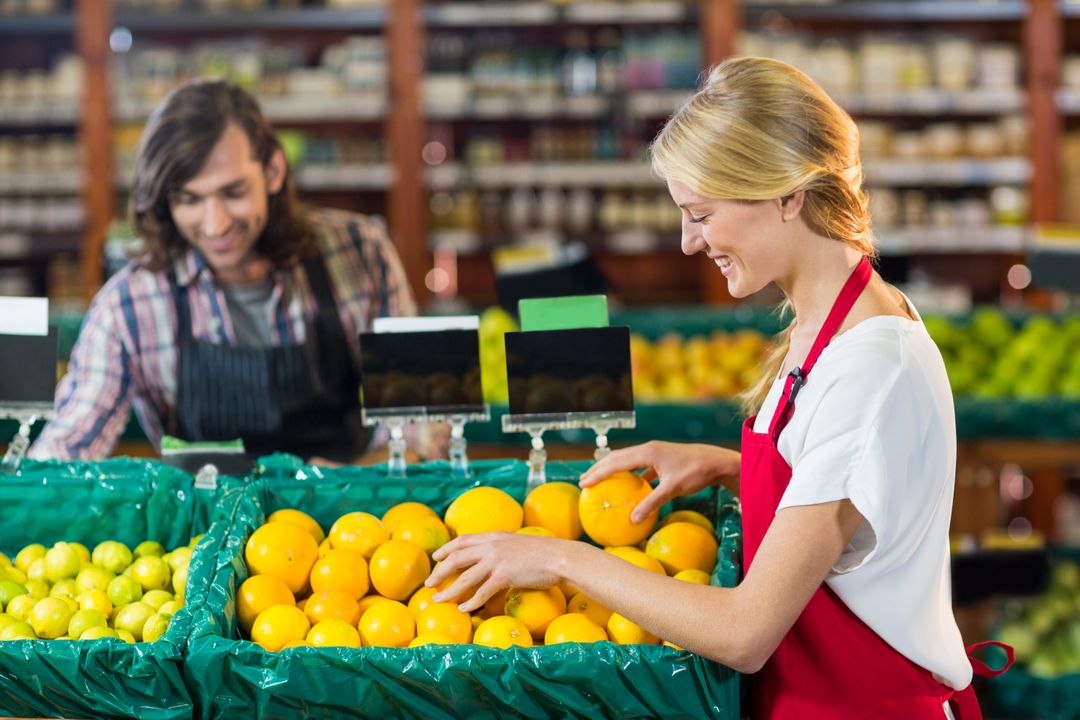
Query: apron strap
(183, 311)
(981, 668)
(851, 291)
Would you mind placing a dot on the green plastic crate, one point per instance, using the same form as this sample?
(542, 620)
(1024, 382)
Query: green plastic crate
(228, 676)
(123, 500)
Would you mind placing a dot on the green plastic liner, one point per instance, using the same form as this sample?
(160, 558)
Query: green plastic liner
(126, 500)
(229, 677)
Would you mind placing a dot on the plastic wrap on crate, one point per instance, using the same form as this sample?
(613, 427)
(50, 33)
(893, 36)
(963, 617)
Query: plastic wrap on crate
(228, 676)
(123, 500)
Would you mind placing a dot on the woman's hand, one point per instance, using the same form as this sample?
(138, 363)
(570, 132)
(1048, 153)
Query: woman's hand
(490, 562)
(682, 469)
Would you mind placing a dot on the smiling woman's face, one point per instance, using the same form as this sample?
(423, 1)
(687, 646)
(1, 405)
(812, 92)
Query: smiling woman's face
(740, 237)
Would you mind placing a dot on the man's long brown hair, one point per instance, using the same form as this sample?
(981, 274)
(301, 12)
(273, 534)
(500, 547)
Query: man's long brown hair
(177, 139)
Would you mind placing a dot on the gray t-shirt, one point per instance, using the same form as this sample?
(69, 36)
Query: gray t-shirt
(249, 310)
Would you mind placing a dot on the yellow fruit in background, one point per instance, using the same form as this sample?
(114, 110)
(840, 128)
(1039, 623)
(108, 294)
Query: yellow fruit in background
(112, 555)
(625, 632)
(691, 516)
(554, 506)
(92, 578)
(637, 557)
(445, 618)
(398, 568)
(36, 571)
(37, 588)
(339, 569)
(585, 605)
(483, 509)
(149, 547)
(171, 608)
(4, 560)
(132, 618)
(83, 620)
(179, 581)
(574, 627)
(123, 590)
(10, 572)
(324, 547)
(536, 530)
(693, 575)
(300, 519)
(64, 587)
(332, 605)
(157, 598)
(50, 617)
(387, 624)
(155, 626)
(668, 643)
(97, 633)
(82, 551)
(295, 644)
(358, 531)
(151, 572)
(502, 631)
(535, 608)
(25, 557)
(368, 600)
(683, 546)
(421, 599)
(179, 556)
(258, 593)
(605, 510)
(61, 562)
(495, 605)
(284, 551)
(333, 633)
(18, 630)
(431, 638)
(428, 532)
(405, 511)
(280, 624)
(21, 606)
(125, 636)
(95, 600)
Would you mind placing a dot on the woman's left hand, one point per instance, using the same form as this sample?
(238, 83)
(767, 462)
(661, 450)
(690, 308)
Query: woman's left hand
(490, 562)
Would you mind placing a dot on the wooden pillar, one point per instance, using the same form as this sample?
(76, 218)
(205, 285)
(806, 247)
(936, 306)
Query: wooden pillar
(720, 26)
(93, 23)
(1042, 52)
(406, 133)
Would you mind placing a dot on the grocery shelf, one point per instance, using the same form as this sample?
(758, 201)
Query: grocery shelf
(621, 242)
(892, 12)
(637, 104)
(235, 20)
(21, 246)
(948, 172)
(344, 177)
(932, 101)
(314, 109)
(959, 239)
(1068, 99)
(54, 182)
(526, 174)
(51, 24)
(502, 14)
(38, 115)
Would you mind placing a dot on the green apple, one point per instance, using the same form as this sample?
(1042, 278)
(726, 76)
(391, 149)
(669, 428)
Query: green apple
(132, 618)
(93, 578)
(151, 572)
(83, 620)
(50, 617)
(10, 589)
(155, 627)
(112, 555)
(19, 630)
(28, 555)
(98, 633)
(123, 590)
(149, 547)
(61, 562)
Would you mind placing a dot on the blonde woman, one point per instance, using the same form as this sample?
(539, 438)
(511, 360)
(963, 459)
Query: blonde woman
(846, 468)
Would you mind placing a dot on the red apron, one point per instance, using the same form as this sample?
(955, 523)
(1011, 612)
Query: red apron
(831, 664)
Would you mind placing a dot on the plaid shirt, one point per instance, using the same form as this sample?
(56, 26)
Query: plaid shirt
(126, 353)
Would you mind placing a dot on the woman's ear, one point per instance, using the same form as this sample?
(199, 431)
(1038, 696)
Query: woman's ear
(275, 172)
(791, 205)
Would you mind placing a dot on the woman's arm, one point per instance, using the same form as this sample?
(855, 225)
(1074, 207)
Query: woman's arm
(739, 627)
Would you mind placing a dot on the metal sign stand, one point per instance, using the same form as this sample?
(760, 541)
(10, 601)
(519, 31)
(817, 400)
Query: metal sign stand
(395, 422)
(27, 414)
(536, 425)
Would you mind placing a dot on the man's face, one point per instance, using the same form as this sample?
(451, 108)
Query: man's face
(222, 210)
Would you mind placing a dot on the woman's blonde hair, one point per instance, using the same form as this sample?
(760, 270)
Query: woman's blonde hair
(759, 129)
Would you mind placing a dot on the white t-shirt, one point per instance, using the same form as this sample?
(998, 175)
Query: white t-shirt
(875, 424)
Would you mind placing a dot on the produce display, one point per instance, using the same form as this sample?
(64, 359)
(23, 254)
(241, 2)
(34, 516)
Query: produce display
(67, 592)
(1045, 631)
(717, 366)
(361, 582)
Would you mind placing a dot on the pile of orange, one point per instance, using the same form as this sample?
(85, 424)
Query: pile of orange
(362, 582)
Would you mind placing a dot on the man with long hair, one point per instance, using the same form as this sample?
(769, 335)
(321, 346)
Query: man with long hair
(240, 317)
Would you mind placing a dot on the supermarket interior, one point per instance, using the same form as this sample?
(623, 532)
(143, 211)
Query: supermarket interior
(503, 148)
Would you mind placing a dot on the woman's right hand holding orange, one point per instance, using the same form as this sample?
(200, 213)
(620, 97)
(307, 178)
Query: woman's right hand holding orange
(682, 469)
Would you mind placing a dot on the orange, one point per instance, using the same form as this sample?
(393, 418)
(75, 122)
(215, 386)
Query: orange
(341, 570)
(431, 638)
(668, 643)
(421, 599)
(256, 594)
(502, 631)
(536, 530)
(333, 633)
(445, 618)
(284, 551)
(483, 509)
(428, 532)
(448, 580)
(693, 575)
(554, 506)
(300, 519)
(405, 511)
(625, 632)
(278, 625)
(295, 644)
(582, 603)
(535, 608)
(398, 568)
(387, 624)
(691, 516)
(574, 627)
(367, 601)
(636, 557)
(359, 531)
(495, 605)
(332, 605)
(605, 510)
(324, 547)
(683, 546)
